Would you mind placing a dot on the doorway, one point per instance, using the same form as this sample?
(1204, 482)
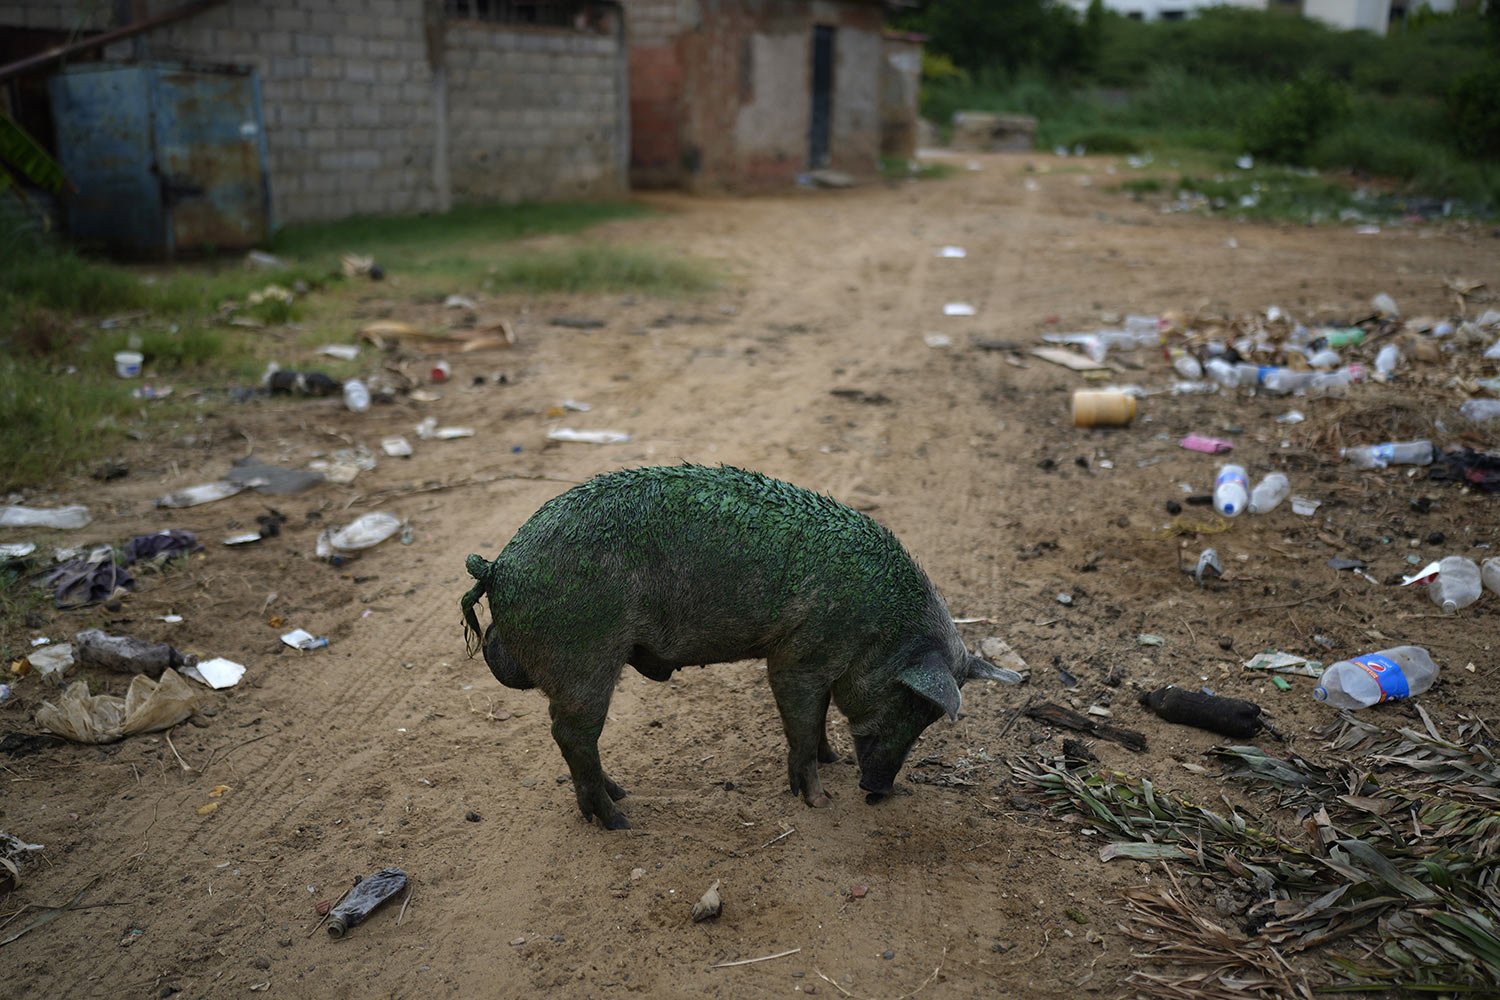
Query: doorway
(820, 125)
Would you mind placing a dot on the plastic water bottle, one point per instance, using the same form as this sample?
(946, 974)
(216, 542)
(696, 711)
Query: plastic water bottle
(1269, 492)
(1457, 584)
(1326, 358)
(1282, 381)
(1389, 675)
(1231, 490)
(1231, 375)
(1378, 456)
(1186, 365)
(1480, 409)
(356, 396)
(1489, 574)
(1388, 358)
(70, 517)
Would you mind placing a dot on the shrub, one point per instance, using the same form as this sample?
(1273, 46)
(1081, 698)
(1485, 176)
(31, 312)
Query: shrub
(1473, 111)
(1286, 126)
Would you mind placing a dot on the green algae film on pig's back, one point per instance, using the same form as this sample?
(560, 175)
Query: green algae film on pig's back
(756, 536)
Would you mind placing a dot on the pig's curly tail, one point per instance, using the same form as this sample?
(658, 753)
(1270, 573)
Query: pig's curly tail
(482, 570)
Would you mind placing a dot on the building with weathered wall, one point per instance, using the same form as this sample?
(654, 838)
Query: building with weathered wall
(747, 94)
(394, 106)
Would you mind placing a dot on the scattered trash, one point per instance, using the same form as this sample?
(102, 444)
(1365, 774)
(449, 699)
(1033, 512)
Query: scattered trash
(282, 382)
(357, 265)
(1389, 675)
(162, 546)
(1379, 456)
(128, 363)
(363, 532)
(1147, 639)
(937, 340)
(1340, 564)
(1269, 493)
(362, 900)
(53, 660)
(195, 495)
(958, 309)
(577, 322)
(344, 465)
(1426, 574)
(396, 447)
(344, 352)
(1209, 567)
(1207, 445)
(1068, 359)
(953, 253)
(587, 437)
(277, 480)
(997, 651)
(1231, 490)
(1305, 506)
(1456, 585)
(441, 371)
(299, 638)
(709, 905)
(16, 551)
(1103, 408)
(428, 430)
(460, 302)
(1385, 306)
(1065, 599)
(1225, 716)
(128, 655)
(148, 706)
(1284, 663)
(356, 396)
(88, 579)
(264, 261)
(1480, 410)
(1473, 468)
(66, 518)
(1291, 417)
(217, 673)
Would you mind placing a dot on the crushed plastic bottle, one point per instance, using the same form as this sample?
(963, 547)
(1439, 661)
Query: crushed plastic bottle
(360, 901)
(1480, 409)
(127, 654)
(1337, 338)
(1231, 490)
(1186, 365)
(1241, 374)
(1378, 456)
(1387, 359)
(1457, 584)
(195, 495)
(1325, 358)
(1489, 574)
(356, 396)
(1269, 492)
(67, 518)
(361, 533)
(1389, 675)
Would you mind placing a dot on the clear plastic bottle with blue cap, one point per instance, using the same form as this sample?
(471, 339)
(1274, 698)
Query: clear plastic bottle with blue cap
(1231, 490)
(1369, 679)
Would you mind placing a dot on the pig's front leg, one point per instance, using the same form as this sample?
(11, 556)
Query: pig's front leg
(804, 709)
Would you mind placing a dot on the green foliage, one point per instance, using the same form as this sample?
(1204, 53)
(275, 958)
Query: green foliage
(22, 155)
(1285, 126)
(1473, 110)
(51, 420)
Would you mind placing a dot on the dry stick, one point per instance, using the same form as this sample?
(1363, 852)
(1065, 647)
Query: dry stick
(750, 961)
(1014, 716)
(185, 765)
(1273, 607)
(904, 996)
(780, 836)
(232, 749)
(411, 887)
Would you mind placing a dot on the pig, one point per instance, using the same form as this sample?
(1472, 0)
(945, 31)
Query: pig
(673, 566)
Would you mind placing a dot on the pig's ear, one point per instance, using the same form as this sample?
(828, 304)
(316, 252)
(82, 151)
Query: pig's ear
(983, 670)
(930, 679)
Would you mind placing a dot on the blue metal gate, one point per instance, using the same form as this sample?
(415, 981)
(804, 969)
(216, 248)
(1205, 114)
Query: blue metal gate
(166, 159)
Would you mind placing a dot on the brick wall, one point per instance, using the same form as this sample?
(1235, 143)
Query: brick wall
(720, 90)
(535, 113)
(351, 105)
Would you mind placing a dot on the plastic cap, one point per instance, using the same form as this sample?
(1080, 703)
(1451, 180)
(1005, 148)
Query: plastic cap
(1229, 508)
(1450, 607)
(1320, 692)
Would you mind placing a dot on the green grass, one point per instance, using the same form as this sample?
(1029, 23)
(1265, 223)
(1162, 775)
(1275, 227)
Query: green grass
(894, 168)
(61, 406)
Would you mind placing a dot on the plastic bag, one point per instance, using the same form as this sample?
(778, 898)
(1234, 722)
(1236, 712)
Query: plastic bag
(104, 718)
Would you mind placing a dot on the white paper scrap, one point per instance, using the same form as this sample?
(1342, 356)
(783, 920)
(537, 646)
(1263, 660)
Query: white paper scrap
(216, 673)
(959, 309)
(587, 437)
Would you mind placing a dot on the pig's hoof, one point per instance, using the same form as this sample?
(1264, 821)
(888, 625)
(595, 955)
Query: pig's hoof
(875, 798)
(827, 756)
(616, 821)
(615, 792)
(820, 801)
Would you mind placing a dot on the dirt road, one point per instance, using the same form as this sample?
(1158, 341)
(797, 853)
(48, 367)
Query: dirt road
(390, 747)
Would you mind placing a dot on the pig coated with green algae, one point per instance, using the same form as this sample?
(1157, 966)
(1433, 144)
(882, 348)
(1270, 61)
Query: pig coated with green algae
(675, 566)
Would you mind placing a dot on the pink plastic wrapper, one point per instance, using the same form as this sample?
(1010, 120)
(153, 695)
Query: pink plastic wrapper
(1207, 445)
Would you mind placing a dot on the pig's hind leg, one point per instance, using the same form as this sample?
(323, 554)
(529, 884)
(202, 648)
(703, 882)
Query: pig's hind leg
(826, 753)
(576, 725)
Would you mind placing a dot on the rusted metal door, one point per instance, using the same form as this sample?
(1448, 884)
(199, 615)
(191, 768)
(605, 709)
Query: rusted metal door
(166, 160)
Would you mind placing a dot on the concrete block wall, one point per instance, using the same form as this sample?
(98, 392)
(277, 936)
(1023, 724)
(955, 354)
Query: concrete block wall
(535, 113)
(351, 101)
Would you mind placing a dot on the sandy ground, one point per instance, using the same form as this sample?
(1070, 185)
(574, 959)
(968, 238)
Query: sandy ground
(374, 751)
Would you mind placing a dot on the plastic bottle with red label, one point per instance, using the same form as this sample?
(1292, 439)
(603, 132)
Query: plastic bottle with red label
(1369, 679)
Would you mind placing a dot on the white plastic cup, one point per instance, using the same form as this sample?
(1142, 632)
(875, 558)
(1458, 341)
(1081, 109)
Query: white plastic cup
(128, 363)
